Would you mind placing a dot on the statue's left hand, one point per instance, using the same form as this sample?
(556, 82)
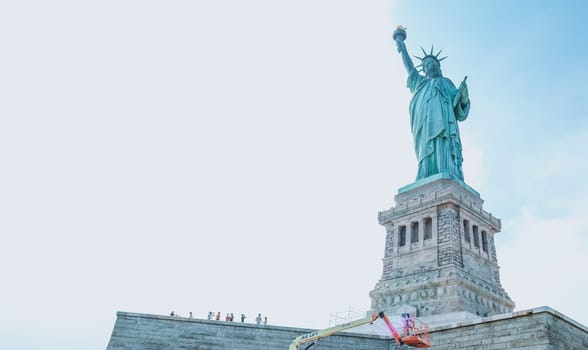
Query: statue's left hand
(463, 91)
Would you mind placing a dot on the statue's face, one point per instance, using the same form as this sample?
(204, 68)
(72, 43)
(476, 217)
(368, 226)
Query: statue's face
(432, 68)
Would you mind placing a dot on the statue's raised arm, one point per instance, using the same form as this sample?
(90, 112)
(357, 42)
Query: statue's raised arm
(436, 107)
(399, 36)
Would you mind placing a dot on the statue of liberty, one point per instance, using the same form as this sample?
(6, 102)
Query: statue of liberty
(435, 108)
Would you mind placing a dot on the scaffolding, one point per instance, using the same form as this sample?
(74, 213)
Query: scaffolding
(346, 316)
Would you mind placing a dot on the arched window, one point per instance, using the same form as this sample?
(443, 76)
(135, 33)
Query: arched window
(401, 236)
(428, 228)
(485, 241)
(414, 232)
(466, 230)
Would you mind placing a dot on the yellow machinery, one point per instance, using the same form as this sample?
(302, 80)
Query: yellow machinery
(417, 337)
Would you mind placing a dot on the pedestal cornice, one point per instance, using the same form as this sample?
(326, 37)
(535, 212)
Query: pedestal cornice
(434, 193)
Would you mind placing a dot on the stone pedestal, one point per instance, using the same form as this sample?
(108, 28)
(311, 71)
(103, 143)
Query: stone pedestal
(440, 258)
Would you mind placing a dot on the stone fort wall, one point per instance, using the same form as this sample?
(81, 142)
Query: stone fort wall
(153, 332)
(536, 329)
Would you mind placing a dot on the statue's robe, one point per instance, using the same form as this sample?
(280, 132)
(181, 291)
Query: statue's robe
(433, 120)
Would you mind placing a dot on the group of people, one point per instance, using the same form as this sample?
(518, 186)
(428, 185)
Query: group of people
(230, 317)
(408, 326)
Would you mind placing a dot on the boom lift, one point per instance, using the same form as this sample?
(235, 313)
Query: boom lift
(413, 336)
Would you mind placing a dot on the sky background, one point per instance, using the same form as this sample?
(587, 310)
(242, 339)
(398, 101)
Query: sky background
(233, 156)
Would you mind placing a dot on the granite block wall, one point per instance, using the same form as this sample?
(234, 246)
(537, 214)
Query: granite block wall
(152, 332)
(536, 329)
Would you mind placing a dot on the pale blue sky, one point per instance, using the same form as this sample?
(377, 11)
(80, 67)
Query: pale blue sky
(226, 156)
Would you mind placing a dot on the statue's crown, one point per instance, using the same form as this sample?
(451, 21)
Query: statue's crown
(429, 55)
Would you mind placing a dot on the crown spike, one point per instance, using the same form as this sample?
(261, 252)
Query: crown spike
(438, 53)
(417, 57)
(441, 59)
(424, 52)
(431, 54)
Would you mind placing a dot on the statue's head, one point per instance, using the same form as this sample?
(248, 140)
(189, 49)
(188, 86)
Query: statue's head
(431, 67)
(430, 63)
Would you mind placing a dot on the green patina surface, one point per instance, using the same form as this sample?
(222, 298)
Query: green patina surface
(436, 107)
(436, 177)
